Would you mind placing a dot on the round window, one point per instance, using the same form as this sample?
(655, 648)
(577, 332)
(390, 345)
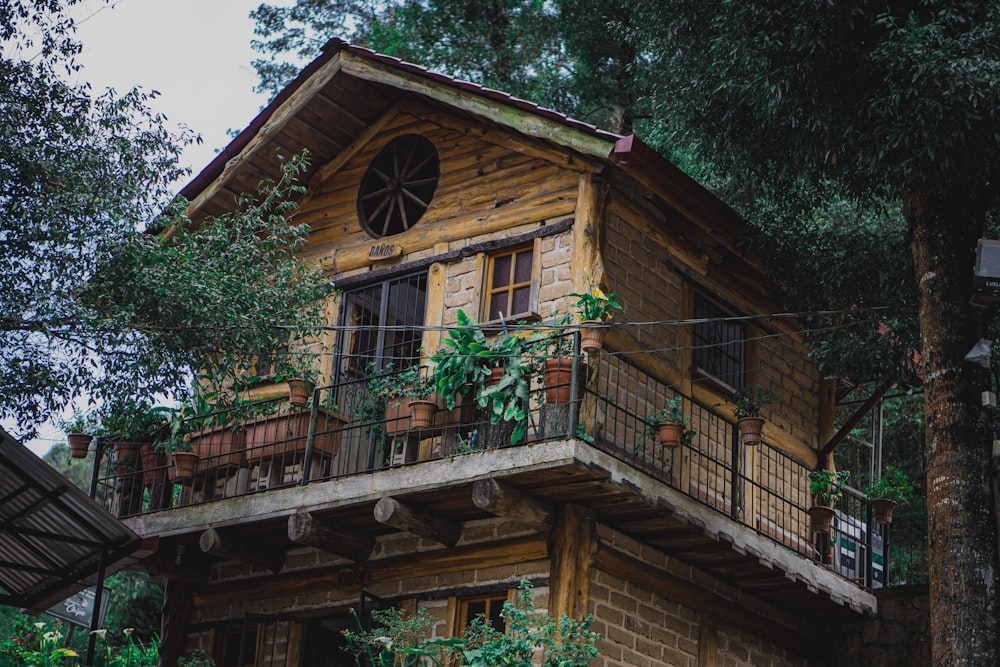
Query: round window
(398, 186)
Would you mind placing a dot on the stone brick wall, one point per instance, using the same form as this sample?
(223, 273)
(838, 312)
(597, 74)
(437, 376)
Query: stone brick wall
(303, 560)
(900, 635)
(641, 628)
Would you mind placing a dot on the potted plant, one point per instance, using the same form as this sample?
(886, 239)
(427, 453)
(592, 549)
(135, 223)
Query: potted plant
(825, 488)
(748, 402)
(593, 308)
(494, 370)
(422, 403)
(669, 424)
(886, 491)
(556, 351)
(79, 430)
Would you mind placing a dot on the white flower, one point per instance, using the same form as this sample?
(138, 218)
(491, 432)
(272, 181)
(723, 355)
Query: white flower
(102, 633)
(40, 625)
(128, 631)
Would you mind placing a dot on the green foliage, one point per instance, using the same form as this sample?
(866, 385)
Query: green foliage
(530, 639)
(893, 484)
(594, 305)
(33, 642)
(82, 421)
(197, 658)
(825, 485)
(671, 413)
(463, 362)
(748, 401)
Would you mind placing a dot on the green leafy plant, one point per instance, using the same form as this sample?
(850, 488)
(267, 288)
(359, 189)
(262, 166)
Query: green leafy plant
(196, 658)
(82, 421)
(826, 485)
(464, 360)
(594, 305)
(530, 639)
(749, 401)
(672, 413)
(893, 484)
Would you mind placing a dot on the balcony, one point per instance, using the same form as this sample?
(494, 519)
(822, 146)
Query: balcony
(735, 511)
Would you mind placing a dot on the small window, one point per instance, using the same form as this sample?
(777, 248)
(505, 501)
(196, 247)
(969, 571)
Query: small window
(238, 647)
(510, 288)
(490, 607)
(719, 344)
(398, 186)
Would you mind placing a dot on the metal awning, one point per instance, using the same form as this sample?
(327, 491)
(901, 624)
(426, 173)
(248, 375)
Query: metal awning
(53, 536)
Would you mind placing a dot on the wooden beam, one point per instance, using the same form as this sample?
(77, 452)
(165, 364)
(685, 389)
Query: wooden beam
(511, 503)
(498, 553)
(523, 121)
(443, 530)
(313, 531)
(274, 125)
(588, 232)
(231, 548)
(574, 542)
(854, 420)
(688, 594)
(708, 641)
(176, 615)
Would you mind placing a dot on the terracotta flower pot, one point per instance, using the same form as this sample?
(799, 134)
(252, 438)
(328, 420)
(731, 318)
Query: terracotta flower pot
(422, 413)
(670, 435)
(591, 336)
(750, 429)
(126, 458)
(883, 508)
(185, 465)
(558, 376)
(79, 444)
(820, 518)
(154, 465)
(299, 392)
(283, 436)
(219, 448)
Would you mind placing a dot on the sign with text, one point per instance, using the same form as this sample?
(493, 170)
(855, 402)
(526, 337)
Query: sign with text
(380, 251)
(79, 609)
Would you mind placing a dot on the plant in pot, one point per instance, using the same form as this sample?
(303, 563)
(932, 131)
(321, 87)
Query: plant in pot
(79, 430)
(593, 308)
(493, 370)
(825, 486)
(748, 403)
(422, 404)
(555, 350)
(888, 490)
(300, 376)
(670, 425)
(177, 445)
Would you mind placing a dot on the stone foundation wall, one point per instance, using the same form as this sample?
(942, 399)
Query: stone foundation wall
(900, 635)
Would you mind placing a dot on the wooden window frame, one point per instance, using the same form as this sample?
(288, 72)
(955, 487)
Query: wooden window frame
(458, 607)
(488, 291)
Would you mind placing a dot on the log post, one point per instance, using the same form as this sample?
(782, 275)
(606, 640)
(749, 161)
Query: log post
(443, 530)
(510, 503)
(309, 530)
(230, 547)
(177, 606)
(573, 545)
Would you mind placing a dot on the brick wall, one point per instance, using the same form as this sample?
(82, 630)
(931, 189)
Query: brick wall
(641, 628)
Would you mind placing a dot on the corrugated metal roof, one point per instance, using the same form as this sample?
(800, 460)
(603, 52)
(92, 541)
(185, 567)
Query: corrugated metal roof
(52, 534)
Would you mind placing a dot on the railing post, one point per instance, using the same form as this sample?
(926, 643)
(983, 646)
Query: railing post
(310, 436)
(96, 473)
(734, 510)
(574, 407)
(885, 554)
(870, 528)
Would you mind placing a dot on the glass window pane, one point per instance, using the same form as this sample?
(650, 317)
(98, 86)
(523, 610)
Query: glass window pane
(501, 271)
(522, 300)
(522, 267)
(498, 304)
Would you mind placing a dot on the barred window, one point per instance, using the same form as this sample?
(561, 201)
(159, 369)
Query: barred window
(719, 344)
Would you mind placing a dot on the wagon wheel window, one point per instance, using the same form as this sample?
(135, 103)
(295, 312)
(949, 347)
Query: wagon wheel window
(398, 186)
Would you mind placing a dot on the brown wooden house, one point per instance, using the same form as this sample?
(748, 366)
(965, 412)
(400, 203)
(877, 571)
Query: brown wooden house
(427, 196)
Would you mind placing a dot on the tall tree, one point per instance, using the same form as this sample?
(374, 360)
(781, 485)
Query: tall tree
(89, 304)
(875, 102)
(570, 55)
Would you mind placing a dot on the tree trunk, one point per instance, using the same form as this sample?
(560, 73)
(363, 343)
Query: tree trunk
(944, 223)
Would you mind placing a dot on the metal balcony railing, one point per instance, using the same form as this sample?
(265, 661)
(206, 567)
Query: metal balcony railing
(349, 429)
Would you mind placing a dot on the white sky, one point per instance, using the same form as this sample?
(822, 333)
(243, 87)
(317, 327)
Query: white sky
(196, 53)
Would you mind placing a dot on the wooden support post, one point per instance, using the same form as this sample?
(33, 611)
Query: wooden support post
(573, 545)
(443, 530)
(232, 548)
(308, 530)
(511, 503)
(177, 606)
(708, 641)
